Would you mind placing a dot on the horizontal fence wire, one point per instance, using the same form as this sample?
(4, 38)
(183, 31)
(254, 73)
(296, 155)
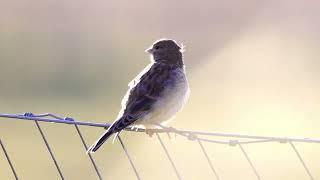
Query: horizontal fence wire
(187, 133)
(199, 136)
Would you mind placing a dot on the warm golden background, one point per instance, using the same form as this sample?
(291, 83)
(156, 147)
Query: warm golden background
(253, 68)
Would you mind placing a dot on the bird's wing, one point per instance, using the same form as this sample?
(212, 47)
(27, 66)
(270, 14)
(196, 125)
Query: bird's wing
(143, 96)
(141, 99)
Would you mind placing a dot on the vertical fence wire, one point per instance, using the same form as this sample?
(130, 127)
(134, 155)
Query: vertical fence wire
(129, 158)
(49, 150)
(301, 160)
(169, 157)
(90, 156)
(83, 143)
(208, 159)
(81, 138)
(8, 159)
(249, 161)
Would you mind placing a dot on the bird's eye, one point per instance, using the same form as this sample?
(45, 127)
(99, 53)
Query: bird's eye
(156, 47)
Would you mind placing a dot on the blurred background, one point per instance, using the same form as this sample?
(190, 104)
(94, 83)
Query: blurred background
(253, 68)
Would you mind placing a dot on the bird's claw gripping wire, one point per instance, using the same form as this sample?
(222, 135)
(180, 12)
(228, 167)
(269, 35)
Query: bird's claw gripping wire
(170, 129)
(150, 132)
(134, 128)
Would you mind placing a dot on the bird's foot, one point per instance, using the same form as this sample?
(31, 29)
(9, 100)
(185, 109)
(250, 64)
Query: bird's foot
(134, 128)
(150, 132)
(169, 130)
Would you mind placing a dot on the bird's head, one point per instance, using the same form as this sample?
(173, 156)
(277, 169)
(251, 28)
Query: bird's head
(166, 51)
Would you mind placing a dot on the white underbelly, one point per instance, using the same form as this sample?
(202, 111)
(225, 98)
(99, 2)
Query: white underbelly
(166, 108)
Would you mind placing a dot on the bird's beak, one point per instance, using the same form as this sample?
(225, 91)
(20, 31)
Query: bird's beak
(150, 50)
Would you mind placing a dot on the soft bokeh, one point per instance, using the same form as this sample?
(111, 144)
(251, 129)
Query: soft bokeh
(253, 68)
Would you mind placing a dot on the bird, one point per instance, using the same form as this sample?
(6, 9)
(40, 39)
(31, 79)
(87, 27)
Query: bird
(154, 97)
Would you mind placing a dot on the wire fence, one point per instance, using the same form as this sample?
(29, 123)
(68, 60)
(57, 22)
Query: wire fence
(237, 140)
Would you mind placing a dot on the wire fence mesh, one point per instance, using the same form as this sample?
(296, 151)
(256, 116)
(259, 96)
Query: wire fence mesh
(236, 140)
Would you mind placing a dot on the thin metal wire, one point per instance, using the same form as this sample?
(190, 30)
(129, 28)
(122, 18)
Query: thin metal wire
(164, 130)
(49, 150)
(250, 162)
(128, 156)
(169, 157)
(191, 135)
(256, 141)
(212, 141)
(301, 160)
(8, 159)
(79, 133)
(90, 156)
(208, 159)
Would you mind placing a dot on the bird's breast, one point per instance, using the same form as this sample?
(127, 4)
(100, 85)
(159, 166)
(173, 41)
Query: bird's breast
(171, 100)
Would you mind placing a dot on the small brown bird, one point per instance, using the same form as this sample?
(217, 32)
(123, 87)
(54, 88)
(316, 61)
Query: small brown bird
(156, 94)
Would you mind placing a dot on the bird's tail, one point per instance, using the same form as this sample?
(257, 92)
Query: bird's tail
(100, 141)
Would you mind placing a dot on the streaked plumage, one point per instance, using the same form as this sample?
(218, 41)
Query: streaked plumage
(156, 94)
